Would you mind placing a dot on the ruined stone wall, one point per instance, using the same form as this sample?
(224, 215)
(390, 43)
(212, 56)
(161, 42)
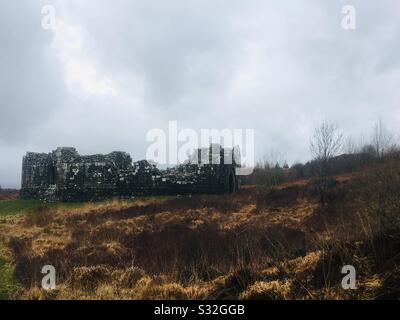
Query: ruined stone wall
(67, 176)
(37, 174)
(90, 177)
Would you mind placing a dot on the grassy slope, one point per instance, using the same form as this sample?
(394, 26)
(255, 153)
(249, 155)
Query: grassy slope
(19, 206)
(8, 284)
(268, 243)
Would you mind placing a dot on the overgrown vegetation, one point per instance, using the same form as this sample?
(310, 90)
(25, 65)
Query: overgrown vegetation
(325, 144)
(19, 206)
(261, 243)
(9, 287)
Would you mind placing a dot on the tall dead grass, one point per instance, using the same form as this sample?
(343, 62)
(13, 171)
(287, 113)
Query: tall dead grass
(243, 246)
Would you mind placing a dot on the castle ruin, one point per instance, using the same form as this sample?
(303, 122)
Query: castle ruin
(64, 175)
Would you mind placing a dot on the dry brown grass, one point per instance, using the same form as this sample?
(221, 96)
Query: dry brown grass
(261, 243)
(8, 194)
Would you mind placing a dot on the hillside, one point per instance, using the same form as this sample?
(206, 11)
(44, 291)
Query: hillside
(268, 243)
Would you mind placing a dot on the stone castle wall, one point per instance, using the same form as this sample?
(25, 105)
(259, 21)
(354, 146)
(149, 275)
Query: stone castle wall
(64, 175)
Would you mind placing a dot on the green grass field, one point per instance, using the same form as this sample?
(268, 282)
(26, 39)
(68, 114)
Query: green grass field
(19, 206)
(8, 285)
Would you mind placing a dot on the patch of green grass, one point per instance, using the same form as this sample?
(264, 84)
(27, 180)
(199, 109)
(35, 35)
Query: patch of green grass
(8, 284)
(148, 198)
(18, 206)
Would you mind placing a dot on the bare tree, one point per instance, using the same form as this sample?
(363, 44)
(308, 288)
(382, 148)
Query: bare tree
(273, 157)
(382, 140)
(350, 145)
(325, 144)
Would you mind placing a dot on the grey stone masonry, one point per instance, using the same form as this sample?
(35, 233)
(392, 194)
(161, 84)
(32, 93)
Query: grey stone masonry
(64, 175)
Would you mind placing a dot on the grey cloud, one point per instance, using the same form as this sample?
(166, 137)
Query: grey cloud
(176, 47)
(279, 67)
(31, 83)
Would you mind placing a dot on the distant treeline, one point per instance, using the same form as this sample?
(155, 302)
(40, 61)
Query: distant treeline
(325, 145)
(265, 174)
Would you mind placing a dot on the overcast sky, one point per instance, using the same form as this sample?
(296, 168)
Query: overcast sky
(113, 70)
